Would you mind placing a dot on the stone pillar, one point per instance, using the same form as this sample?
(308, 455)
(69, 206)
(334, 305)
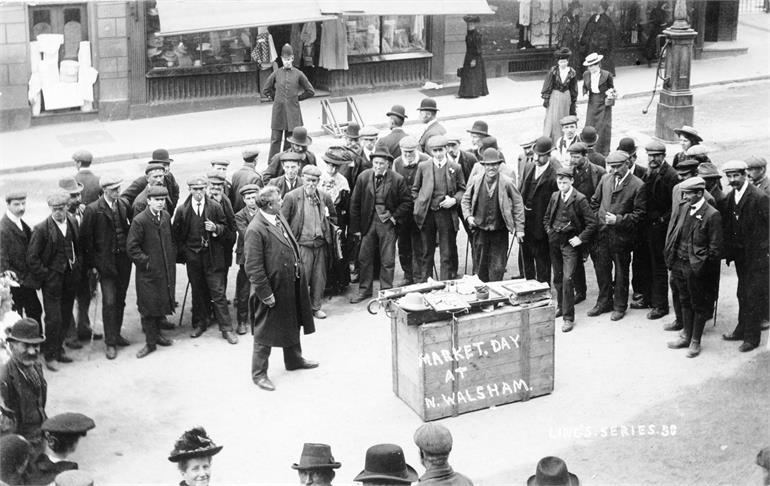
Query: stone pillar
(675, 106)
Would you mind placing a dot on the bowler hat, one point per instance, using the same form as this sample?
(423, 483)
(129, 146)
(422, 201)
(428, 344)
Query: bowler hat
(707, 170)
(552, 471)
(692, 184)
(578, 148)
(157, 191)
(58, 199)
(287, 51)
(299, 136)
(756, 162)
(381, 151)
(311, 170)
(194, 443)
(543, 145)
(385, 462)
(617, 157)
(490, 157)
(353, 130)
(337, 155)
(25, 330)
(197, 182)
(110, 181)
(250, 153)
(480, 127)
(413, 301)
(15, 195)
(689, 132)
(488, 142)
(734, 166)
(592, 59)
(82, 156)
(472, 18)
(655, 148)
(161, 155)
(627, 145)
(687, 165)
(154, 166)
(433, 438)
(248, 189)
(563, 53)
(316, 456)
(224, 162)
(73, 477)
(565, 172)
(428, 104)
(70, 185)
(397, 110)
(68, 423)
(589, 135)
(215, 177)
(437, 141)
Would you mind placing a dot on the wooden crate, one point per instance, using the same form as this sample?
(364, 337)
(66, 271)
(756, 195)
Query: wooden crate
(476, 361)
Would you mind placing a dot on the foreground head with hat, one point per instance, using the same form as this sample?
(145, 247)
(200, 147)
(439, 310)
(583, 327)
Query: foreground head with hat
(24, 338)
(542, 150)
(757, 169)
(397, 115)
(688, 136)
(617, 163)
(385, 465)
(552, 471)
(63, 431)
(15, 451)
(428, 110)
(161, 156)
(300, 138)
(435, 443)
(16, 202)
(316, 461)
(193, 453)
(687, 168)
(593, 59)
(250, 154)
(656, 154)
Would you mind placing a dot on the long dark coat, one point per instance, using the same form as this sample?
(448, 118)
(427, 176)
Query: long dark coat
(97, 235)
(422, 190)
(598, 115)
(150, 245)
(391, 141)
(136, 188)
(599, 37)
(270, 260)
(473, 82)
(351, 172)
(568, 35)
(628, 202)
(275, 169)
(243, 176)
(212, 211)
(545, 186)
(91, 187)
(13, 250)
(287, 87)
(705, 237)
(232, 230)
(242, 220)
(398, 200)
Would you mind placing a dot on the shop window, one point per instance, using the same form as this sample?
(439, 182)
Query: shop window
(373, 34)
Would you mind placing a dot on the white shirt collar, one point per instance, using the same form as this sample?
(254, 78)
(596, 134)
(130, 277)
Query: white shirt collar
(739, 192)
(439, 164)
(539, 169)
(620, 182)
(15, 220)
(564, 197)
(62, 226)
(271, 218)
(695, 207)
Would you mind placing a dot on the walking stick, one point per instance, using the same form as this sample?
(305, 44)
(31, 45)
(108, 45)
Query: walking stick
(184, 300)
(93, 321)
(467, 244)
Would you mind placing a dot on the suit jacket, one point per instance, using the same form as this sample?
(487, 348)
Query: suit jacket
(588, 187)
(91, 187)
(275, 169)
(150, 245)
(582, 220)
(659, 187)
(293, 210)
(596, 158)
(705, 238)
(434, 128)
(544, 187)
(280, 183)
(676, 200)
(352, 171)
(398, 200)
(242, 220)
(467, 162)
(45, 253)
(628, 202)
(409, 173)
(97, 235)
(247, 174)
(422, 189)
(13, 250)
(509, 201)
(136, 188)
(232, 230)
(640, 172)
(390, 141)
(764, 185)
(287, 87)
(212, 211)
(747, 236)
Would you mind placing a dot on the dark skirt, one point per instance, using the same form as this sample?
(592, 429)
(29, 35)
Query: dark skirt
(599, 116)
(473, 80)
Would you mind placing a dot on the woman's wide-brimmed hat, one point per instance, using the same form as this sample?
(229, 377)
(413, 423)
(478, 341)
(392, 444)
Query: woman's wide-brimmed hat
(386, 463)
(316, 456)
(592, 59)
(689, 132)
(563, 53)
(472, 18)
(552, 471)
(194, 443)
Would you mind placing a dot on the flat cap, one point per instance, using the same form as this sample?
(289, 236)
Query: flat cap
(311, 170)
(82, 156)
(617, 157)
(655, 148)
(110, 180)
(433, 438)
(692, 184)
(157, 191)
(215, 177)
(578, 148)
(369, 132)
(250, 153)
(73, 477)
(437, 141)
(291, 156)
(408, 142)
(15, 195)
(707, 170)
(453, 138)
(687, 165)
(565, 172)
(197, 182)
(756, 162)
(569, 119)
(154, 166)
(224, 162)
(68, 423)
(58, 199)
(697, 150)
(337, 155)
(249, 189)
(71, 185)
(734, 166)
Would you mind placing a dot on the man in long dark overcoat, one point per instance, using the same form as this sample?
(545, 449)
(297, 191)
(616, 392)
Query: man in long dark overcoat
(14, 240)
(287, 86)
(150, 245)
(280, 295)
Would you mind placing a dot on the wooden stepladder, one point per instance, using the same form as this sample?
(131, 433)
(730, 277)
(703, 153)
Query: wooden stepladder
(330, 123)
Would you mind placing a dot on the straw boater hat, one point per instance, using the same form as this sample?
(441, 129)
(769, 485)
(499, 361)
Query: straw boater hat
(193, 443)
(592, 59)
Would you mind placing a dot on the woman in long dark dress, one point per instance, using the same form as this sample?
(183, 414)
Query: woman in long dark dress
(599, 36)
(473, 77)
(559, 94)
(596, 84)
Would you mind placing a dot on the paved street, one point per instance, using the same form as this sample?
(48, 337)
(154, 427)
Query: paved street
(608, 374)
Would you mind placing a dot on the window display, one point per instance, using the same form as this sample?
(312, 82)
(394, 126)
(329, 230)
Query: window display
(373, 34)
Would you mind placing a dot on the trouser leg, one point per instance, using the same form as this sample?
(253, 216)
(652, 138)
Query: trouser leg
(498, 257)
(656, 240)
(216, 291)
(678, 279)
(387, 243)
(641, 265)
(314, 265)
(52, 297)
(26, 303)
(600, 254)
(198, 290)
(259, 360)
(428, 233)
(527, 259)
(570, 256)
(124, 279)
(369, 243)
(292, 356)
(579, 281)
(558, 270)
(276, 142)
(621, 258)
(405, 258)
(480, 255)
(85, 289)
(151, 329)
(242, 290)
(744, 299)
(542, 261)
(447, 241)
(109, 310)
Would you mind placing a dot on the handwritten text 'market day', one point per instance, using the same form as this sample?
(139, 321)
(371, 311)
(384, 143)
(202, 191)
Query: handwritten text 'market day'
(470, 351)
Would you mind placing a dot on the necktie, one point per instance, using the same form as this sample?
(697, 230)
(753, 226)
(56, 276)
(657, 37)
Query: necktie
(377, 181)
(617, 183)
(198, 209)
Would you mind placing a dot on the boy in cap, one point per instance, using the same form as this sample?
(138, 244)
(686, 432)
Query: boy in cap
(368, 140)
(299, 143)
(428, 112)
(569, 136)
(62, 434)
(154, 174)
(409, 239)
(54, 258)
(435, 444)
(23, 388)
(150, 245)
(90, 181)
(746, 243)
(570, 225)
(246, 175)
(693, 250)
(396, 117)
(286, 86)
(438, 187)
(159, 156)
(220, 166)
(248, 194)
(15, 234)
(106, 222)
(316, 465)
